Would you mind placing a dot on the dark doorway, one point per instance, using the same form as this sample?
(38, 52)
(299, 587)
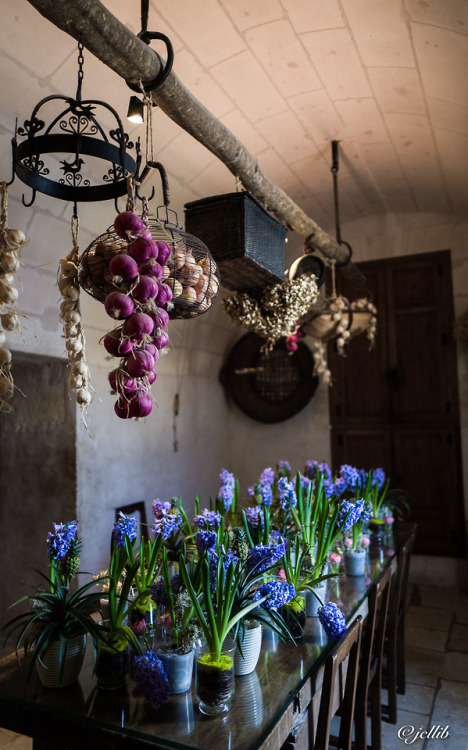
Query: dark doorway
(397, 406)
(37, 470)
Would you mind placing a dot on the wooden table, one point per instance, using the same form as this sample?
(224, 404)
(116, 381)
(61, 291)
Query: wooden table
(264, 709)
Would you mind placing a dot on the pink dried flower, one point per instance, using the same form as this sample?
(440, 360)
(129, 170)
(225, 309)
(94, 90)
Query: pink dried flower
(365, 541)
(348, 542)
(389, 519)
(335, 558)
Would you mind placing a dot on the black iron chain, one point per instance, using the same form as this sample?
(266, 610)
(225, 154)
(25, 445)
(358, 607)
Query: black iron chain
(80, 70)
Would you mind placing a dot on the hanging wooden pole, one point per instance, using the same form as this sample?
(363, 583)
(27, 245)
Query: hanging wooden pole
(118, 48)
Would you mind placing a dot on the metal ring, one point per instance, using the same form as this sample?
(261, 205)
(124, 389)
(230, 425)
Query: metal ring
(350, 251)
(147, 36)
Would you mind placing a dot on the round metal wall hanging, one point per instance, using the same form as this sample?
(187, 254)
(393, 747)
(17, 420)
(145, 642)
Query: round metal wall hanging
(269, 386)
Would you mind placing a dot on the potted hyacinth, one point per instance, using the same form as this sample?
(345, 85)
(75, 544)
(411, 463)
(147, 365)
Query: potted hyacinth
(355, 516)
(116, 635)
(59, 617)
(176, 654)
(228, 593)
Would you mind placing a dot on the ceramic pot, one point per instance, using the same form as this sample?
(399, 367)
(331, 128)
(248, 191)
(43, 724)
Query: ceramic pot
(178, 667)
(214, 680)
(246, 662)
(312, 603)
(48, 666)
(355, 562)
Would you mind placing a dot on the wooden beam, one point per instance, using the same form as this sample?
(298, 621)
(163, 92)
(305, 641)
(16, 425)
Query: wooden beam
(118, 48)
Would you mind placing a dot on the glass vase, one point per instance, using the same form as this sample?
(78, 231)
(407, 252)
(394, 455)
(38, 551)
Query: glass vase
(214, 680)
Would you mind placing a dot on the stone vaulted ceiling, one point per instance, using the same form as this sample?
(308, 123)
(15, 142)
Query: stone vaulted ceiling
(387, 78)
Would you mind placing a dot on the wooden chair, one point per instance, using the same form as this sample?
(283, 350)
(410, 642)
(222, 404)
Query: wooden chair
(348, 646)
(369, 683)
(394, 676)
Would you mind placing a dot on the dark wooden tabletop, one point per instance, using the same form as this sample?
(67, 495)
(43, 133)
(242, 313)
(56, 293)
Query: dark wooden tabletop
(81, 717)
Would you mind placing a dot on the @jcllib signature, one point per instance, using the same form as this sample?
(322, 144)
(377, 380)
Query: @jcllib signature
(410, 734)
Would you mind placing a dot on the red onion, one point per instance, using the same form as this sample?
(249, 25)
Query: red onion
(118, 305)
(152, 268)
(122, 408)
(121, 382)
(140, 363)
(127, 225)
(142, 249)
(152, 349)
(116, 345)
(151, 377)
(160, 339)
(138, 325)
(160, 317)
(123, 268)
(164, 251)
(164, 295)
(147, 288)
(141, 405)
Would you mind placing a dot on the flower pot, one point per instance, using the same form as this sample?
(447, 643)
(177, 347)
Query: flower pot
(312, 603)
(214, 681)
(294, 616)
(48, 666)
(355, 562)
(246, 662)
(178, 667)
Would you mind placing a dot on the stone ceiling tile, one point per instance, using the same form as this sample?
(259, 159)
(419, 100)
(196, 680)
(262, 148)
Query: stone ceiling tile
(362, 120)
(314, 172)
(185, 157)
(32, 91)
(278, 48)
(410, 134)
(314, 16)
(384, 166)
(287, 136)
(432, 201)
(337, 62)
(200, 83)
(39, 48)
(449, 14)
(216, 179)
(271, 163)
(397, 90)
(421, 172)
(443, 60)
(318, 115)
(208, 32)
(246, 14)
(243, 129)
(260, 97)
(453, 153)
(448, 116)
(380, 32)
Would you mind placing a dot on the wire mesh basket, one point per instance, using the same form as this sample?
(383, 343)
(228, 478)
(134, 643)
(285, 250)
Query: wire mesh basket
(189, 270)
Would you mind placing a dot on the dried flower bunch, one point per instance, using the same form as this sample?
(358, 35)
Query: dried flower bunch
(11, 242)
(274, 311)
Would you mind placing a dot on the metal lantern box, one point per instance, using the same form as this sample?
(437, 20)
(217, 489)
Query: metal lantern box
(247, 243)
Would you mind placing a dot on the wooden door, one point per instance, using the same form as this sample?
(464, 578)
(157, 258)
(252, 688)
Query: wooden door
(397, 406)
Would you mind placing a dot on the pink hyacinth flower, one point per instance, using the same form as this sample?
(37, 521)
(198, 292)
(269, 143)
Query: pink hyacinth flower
(282, 575)
(365, 541)
(389, 519)
(335, 558)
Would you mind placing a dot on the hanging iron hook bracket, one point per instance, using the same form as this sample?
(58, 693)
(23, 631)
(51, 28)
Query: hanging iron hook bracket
(147, 37)
(334, 170)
